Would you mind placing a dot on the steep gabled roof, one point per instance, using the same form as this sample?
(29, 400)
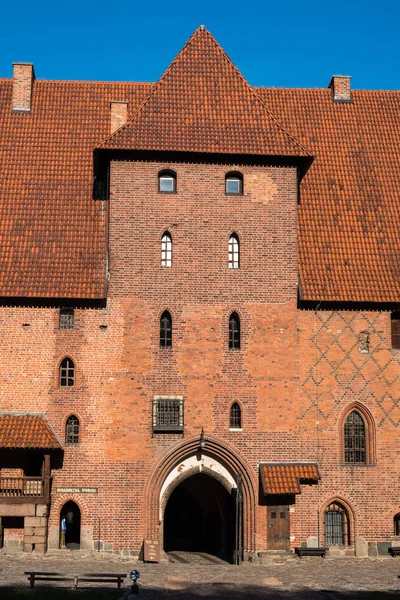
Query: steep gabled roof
(202, 103)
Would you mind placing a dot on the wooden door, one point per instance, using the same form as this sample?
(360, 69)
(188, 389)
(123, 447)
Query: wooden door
(278, 527)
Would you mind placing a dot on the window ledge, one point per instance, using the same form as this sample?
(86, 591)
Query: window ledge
(358, 465)
(235, 429)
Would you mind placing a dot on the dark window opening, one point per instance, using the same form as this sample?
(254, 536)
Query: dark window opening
(72, 431)
(67, 373)
(354, 439)
(167, 182)
(235, 419)
(66, 318)
(166, 330)
(168, 414)
(395, 327)
(234, 183)
(337, 525)
(396, 522)
(234, 332)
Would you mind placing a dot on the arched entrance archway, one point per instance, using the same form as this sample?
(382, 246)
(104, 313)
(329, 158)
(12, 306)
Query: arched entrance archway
(223, 462)
(71, 515)
(199, 517)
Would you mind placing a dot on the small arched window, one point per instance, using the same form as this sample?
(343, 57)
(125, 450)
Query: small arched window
(234, 183)
(67, 373)
(234, 332)
(354, 439)
(336, 525)
(166, 330)
(167, 182)
(233, 252)
(235, 417)
(72, 431)
(166, 250)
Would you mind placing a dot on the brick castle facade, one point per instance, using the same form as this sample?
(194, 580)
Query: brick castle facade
(199, 349)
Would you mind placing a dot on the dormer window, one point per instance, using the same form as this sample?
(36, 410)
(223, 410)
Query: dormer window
(167, 182)
(234, 183)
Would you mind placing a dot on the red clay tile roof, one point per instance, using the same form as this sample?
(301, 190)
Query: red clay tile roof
(349, 212)
(26, 431)
(202, 103)
(52, 232)
(284, 478)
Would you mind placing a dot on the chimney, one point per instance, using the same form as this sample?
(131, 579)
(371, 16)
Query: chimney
(340, 86)
(119, 114)
(23, 78)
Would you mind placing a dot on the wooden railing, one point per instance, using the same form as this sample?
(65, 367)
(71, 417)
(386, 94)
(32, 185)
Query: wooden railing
(24, 489)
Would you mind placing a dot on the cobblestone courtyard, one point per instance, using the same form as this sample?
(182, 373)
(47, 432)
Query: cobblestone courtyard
(206, 577)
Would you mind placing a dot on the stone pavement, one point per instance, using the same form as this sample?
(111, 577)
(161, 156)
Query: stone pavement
(207, 577)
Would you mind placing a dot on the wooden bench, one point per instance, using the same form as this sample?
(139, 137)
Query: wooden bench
(394, 550)
(117, 578)
(46, 576)
(76, 579)
(300, 551)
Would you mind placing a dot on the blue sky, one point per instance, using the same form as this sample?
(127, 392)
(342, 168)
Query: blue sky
(283, 44)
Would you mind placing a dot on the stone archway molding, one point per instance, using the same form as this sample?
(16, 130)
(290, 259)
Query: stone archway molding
(224, 455)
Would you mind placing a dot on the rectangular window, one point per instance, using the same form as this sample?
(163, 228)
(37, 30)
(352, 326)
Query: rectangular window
(66, 318)
(395, 322)
(168, 413)
(166, 184)
(233, 186)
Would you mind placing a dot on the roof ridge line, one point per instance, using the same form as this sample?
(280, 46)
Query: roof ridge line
(251, 89)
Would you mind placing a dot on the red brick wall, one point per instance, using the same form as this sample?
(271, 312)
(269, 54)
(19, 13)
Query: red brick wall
(295, 374)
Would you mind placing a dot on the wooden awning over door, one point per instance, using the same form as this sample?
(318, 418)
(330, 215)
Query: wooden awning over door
(285, 478)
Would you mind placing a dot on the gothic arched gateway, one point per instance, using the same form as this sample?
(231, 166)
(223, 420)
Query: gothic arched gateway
(213, 471)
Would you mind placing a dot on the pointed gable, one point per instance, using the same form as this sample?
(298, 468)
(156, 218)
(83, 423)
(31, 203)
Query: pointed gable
(202, 103)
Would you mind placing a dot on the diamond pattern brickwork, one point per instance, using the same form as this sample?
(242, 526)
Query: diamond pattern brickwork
(338, 372)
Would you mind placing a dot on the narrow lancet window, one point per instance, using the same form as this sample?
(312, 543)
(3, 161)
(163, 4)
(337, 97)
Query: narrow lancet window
(233, 252)
(166, 330)
(234, 332)
(166, 250)
(235, 417)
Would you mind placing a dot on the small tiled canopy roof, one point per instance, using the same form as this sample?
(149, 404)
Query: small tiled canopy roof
(284, 478)
(27, 431)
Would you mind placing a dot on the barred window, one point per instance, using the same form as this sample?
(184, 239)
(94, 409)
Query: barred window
(166, 330)
(235, 417)
(354, 439)
(168, 414)
(166, 250)
(234, 332)
(234, 183)
(337, 525)
(167, 181)
(67, 373)
(66, 318)
(233, 252)
(72, 430)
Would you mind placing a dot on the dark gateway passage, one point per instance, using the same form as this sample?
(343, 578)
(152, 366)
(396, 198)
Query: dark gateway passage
(199, 517)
